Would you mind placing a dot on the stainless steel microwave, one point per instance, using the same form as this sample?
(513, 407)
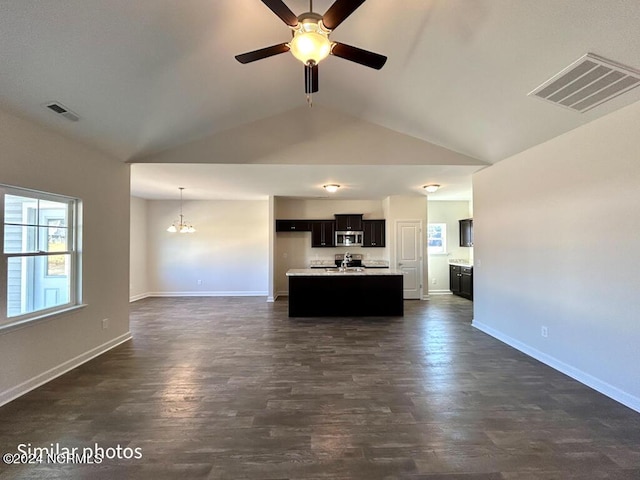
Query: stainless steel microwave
(348, 239)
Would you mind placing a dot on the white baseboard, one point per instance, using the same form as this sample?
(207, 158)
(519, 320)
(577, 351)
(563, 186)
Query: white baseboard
(135, 298)
(44, 377)
(582, 377)
(209, 294)
(440, 292)
(284, 293)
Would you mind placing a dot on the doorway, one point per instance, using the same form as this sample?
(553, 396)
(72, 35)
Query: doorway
(409, 256)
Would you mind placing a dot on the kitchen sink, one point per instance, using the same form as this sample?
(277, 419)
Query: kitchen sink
(348, 269)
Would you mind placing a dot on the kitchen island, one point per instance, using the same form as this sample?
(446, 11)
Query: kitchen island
(353, 292)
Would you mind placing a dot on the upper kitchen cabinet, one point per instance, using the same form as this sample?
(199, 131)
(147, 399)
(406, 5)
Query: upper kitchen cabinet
(466, 232)
(373, 233)
(293, 226)
(323, 233)
(345, 222)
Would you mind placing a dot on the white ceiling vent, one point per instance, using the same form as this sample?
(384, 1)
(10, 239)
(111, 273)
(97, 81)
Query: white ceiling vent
(587, 83)
(60, 109)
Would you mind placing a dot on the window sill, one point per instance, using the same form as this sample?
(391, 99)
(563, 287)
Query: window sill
(28, 322)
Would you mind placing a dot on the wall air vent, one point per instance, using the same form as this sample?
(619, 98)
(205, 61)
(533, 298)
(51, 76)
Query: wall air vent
(588, 82)
(60, 109)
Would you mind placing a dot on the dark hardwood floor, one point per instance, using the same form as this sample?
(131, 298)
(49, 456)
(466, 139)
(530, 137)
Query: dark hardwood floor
(232, 388)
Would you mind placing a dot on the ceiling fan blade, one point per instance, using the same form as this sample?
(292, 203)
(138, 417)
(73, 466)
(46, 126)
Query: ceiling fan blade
(262, 53)
(339, 11)
(355, 54)
(310, 79)
(282, 11)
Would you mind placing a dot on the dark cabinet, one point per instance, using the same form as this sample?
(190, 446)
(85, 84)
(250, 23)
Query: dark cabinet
(323, 233)
(345, 222)
(293, 226)
(461, 281)
(466, 232)
(373, 233)
(454, 279)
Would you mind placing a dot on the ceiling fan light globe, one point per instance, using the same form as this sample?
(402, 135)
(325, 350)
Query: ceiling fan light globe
(310, 47)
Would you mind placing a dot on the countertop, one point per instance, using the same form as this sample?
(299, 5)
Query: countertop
(461, 262)
(319, 272)
(365, 263)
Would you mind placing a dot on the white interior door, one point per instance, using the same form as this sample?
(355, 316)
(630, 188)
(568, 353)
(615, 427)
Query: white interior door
(409, 257)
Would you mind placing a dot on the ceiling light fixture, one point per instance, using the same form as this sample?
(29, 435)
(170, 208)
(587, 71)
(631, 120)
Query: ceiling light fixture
(432, 187)
(331, 188)
(310, 43)
(182, 225)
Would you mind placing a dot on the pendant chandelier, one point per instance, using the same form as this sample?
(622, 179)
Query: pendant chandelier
(181, 225)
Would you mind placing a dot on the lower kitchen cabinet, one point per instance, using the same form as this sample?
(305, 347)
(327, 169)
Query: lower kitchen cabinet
(323, 233)
(461, 281)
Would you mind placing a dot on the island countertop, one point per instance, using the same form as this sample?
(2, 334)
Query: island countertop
(333, 272)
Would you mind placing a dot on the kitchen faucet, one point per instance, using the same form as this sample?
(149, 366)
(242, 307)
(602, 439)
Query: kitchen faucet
(346, 260)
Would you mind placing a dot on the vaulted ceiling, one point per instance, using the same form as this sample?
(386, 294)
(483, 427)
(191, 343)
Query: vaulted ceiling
(149, 77)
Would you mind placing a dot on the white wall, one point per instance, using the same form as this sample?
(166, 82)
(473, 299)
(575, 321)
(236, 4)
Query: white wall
(293, 250)
(229, 253)
(138, 275)
(557, 243)
(36, 158)
(448, 213)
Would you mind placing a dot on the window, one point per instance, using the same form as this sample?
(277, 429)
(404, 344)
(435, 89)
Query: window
(39, 274)
(437, 238)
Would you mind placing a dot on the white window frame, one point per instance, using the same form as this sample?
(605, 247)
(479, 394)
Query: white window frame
(443, 226)
(74, 252)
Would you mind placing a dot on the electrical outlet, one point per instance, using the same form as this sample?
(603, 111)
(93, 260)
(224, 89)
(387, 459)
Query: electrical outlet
(199, 282)
(434, 281)
(544, 332)
(105, 323)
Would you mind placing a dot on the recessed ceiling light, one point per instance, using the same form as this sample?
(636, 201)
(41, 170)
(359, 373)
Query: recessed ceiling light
(331, 188)
(432, 187)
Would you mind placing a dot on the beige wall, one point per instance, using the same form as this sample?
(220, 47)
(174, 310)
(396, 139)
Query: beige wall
(36, 158)
(228, 255)
(138, 268)
(557, 244)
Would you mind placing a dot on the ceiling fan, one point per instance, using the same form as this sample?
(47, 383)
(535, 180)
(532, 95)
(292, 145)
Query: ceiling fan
(311, 44)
